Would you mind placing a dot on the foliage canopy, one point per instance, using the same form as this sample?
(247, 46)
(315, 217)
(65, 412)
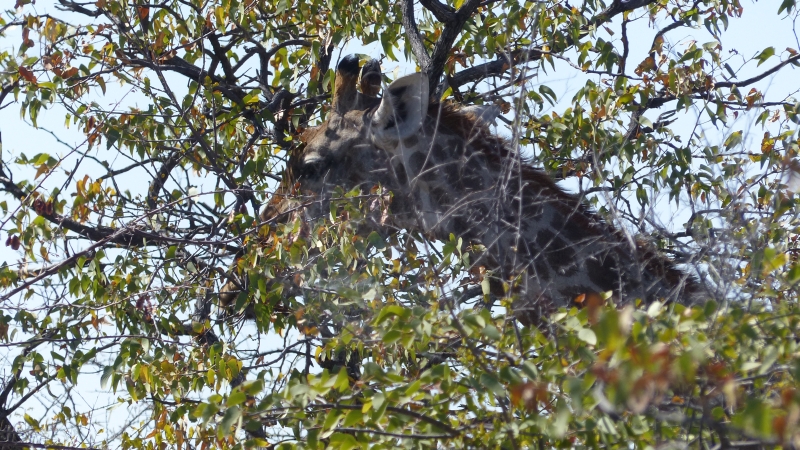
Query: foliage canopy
(118, 246)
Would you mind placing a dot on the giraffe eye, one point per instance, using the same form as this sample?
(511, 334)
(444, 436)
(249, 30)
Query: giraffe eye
(314, 168)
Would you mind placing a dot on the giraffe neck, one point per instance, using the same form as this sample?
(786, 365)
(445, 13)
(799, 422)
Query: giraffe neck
(467, 182)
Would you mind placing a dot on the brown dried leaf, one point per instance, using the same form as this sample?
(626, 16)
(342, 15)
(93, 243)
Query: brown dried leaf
(13, 242)
(69, 73)
(27, 75)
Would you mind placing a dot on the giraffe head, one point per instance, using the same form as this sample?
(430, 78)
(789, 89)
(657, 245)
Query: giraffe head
(350, 148)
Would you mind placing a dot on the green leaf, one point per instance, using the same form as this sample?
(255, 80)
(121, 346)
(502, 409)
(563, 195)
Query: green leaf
(493, 384)
(342, 380)
(530, 369)
(343, 441)
(237, 397)
(787, 5)
(447, 93)
(353, 417)
(252, 97)
(230, 417)
(765, 55)
(392, 336)
(626, 98)
(773, 260)
(32, 422)
(750, 366)
(645, 122)
(107, 372)
(491, 332)
(388, 311)
(548, 93)
(332, 419)
(588, 336)
(252, 387)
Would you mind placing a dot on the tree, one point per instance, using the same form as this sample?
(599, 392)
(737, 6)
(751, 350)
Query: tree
(118, 247)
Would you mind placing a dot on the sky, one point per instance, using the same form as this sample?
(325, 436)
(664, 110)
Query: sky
(747, 37)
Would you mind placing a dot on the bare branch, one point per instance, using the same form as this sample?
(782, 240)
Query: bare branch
(520, 56)
(442, 12)
(412, 33)
(657, 102)
(445, 42)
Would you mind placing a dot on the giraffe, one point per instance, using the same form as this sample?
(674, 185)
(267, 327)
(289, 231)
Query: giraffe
(451, 174)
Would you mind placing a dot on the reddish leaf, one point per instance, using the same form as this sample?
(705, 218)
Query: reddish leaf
(38, 204)
(69, 73)
(27, 75)
(529, 395)
(13, 242)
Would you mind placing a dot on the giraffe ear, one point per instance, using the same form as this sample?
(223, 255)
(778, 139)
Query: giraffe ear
(402, 109)
(485, 114)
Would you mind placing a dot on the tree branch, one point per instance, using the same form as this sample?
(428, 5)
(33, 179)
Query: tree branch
(522, 56)
(414, 37)
(161, 178)
(442, 12)
(657, 102)
(127, 236)
(445, 42)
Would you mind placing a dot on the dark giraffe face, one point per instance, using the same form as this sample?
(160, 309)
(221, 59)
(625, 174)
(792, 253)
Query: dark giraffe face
(337, 153)
(352, 146)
